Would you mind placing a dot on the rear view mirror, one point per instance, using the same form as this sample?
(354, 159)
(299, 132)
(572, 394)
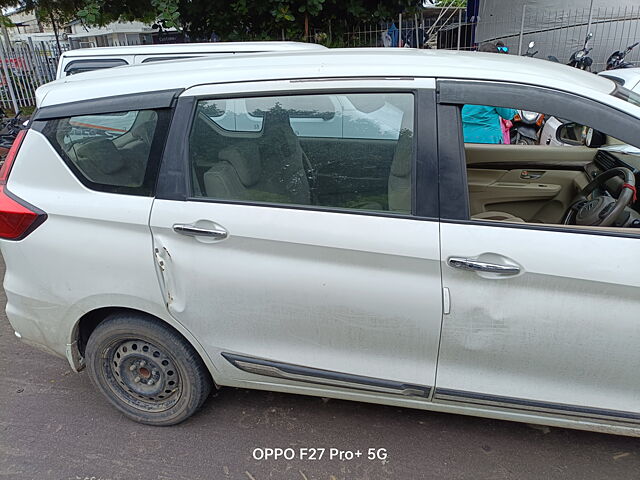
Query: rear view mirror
(532, 44)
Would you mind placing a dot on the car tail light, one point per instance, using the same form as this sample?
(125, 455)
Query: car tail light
(17, 217)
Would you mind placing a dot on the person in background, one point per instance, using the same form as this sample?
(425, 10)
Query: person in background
(501, 47)
(481, 123)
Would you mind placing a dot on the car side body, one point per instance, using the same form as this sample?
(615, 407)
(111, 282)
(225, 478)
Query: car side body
(309, 293)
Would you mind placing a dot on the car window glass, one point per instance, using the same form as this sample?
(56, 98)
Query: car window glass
(166, 58)
(350, 151)
(530, 167)
(88, 65)
(107, 151)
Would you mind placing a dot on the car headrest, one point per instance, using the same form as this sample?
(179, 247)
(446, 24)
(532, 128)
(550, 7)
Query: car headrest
(246, 163)
(277, 132)
(143, 132)
(102, 154)
(401, 164)
(367, 103)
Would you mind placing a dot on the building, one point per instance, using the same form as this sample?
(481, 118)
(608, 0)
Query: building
(80, 35)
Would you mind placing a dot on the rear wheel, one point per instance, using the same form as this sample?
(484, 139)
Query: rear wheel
(146, 370)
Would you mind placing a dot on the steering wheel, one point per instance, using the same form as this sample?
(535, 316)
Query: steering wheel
(602, 211)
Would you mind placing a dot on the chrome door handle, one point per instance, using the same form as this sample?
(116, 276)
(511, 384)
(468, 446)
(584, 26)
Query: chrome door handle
(192, 231)
(478, 266)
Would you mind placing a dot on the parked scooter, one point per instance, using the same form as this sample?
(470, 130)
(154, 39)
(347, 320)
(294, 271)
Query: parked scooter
(526, 128)
(616, 60)
(527, 125)
(581, 58)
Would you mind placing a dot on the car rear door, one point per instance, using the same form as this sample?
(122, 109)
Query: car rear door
(337, 286)
(542, 317)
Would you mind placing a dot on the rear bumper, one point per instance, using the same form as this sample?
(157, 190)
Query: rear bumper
(37, 323)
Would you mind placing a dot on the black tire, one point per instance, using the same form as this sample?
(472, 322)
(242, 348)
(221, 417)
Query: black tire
(146, 370)
(526, 141)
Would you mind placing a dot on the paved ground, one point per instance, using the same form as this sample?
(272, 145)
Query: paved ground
(53, 425)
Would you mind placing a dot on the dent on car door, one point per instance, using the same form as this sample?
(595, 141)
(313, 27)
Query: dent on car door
(542, 316)
(340, 287)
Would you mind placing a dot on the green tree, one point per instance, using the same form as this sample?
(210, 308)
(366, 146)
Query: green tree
(451, 3)
(230, 19)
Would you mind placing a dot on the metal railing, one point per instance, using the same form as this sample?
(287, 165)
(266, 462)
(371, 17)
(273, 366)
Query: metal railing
(24, 67)
(560, 32)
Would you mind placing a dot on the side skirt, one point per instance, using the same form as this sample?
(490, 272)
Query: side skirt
(324, 377)
(443, 395)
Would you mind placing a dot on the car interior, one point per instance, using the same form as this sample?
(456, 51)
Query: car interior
(112, 149)
(275, 165)
(576, 183)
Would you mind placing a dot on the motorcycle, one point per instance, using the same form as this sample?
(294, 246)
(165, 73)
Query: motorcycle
(11, 128)
(581, 58)
(529, 53)
(616, 60)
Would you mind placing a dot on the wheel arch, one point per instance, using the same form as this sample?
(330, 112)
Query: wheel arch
(88, 322)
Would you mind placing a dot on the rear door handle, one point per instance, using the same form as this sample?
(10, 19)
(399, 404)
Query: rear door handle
(478, 266)
(193, 231)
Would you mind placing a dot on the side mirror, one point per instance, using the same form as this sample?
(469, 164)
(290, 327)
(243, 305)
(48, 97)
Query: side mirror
(532, 44)
(570, 133)
(574, 134)
(589, 35)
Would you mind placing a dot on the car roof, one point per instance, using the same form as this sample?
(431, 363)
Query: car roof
(630, 77)
(191, 48)
(329, 63)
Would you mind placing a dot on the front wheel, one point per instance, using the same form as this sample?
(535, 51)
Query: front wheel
(146, 370)
(526, 141)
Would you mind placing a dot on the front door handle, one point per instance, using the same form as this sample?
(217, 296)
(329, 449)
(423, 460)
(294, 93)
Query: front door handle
(478, 266)
(193, 231)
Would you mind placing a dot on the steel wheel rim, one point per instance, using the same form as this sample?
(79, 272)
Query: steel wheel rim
(142, 375)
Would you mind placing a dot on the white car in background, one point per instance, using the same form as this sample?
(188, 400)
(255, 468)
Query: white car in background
(180, 252)
(82, 60)
(627, 77)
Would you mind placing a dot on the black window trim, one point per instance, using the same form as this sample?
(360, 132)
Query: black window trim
(174, 178)
(452, 93)
(166, 58)
(117, 103)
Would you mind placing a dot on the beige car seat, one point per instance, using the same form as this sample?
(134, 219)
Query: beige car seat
(270, 169)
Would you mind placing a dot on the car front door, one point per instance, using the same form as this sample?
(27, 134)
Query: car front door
(542, 317)
(306, 259)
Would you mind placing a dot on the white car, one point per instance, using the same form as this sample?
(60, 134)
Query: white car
(82, 60)
(178, 253)
(627, 77)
